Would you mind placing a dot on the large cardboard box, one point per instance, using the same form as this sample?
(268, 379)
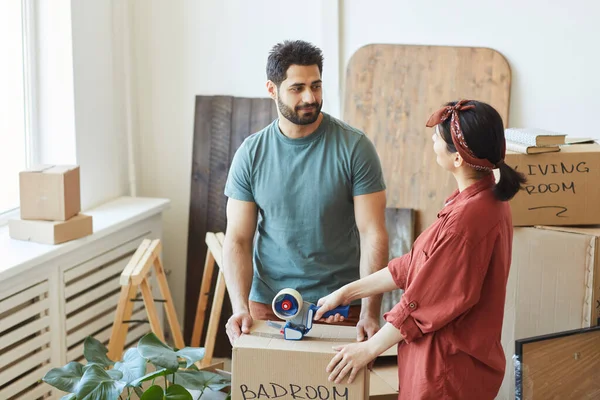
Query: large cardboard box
(51, 232)
(553, 286)
(50, 192)
(383, 383)
(563, 188)
(264, 365)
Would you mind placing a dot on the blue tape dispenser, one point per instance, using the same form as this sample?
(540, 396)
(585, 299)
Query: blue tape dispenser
(298, 314)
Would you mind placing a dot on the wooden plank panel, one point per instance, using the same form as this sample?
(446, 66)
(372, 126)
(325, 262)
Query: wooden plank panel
(27, 330)
(89, 313)
(83, 300)
(38, 392)
(25, 348)
(400, 224)
(25, 365)
(23, 383)
(124, 250)
(390, 92)
(560, 366)
(103, 336)
(93, 279)
(240, 122)
(219, 157)
(198, 208)
(207, 203)
(15, 300)
(261, 114)
(16, 318)
(96, 325)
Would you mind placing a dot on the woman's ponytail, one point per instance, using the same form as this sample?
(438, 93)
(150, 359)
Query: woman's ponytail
(509, 184)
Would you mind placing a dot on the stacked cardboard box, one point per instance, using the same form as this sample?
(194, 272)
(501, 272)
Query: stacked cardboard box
(554, 281)
(50, 203)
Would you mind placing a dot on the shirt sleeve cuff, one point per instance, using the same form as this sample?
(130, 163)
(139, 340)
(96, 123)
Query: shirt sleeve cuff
(401, 319)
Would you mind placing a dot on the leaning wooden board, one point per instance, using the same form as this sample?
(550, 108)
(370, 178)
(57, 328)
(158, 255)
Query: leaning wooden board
(221, 123)
(390, 92)
(563, 365)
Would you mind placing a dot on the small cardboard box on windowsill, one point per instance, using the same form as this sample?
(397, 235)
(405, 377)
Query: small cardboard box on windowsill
(51, 232)
(50, 192)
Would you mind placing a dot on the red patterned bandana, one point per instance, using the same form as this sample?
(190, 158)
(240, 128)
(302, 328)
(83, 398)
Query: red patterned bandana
(456, 133)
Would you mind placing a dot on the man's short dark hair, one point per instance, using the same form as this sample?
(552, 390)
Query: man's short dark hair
(297, 52)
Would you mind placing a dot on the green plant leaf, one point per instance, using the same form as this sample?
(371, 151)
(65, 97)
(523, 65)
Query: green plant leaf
(191, 354)
(150, 376)
(115, 374)
(95, 352)
(153, 393)
(177, 392)
(70, 396)
(200, 380)
(65, 378)
(97, 384)
(158, 353)
(133, 365)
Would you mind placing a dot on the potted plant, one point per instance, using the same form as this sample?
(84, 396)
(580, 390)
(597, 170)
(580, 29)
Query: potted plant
(103, 379)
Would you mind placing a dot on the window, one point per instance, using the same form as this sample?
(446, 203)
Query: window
(15, 138)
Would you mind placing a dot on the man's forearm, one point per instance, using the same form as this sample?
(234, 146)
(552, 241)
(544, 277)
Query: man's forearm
(237, 269)
(374, 257)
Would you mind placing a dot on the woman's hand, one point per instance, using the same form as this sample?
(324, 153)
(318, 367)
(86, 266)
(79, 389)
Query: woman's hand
(328, 303)
(350, 359)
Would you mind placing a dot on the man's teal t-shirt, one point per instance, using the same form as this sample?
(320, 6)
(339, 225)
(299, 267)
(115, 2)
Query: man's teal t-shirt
(306, 237)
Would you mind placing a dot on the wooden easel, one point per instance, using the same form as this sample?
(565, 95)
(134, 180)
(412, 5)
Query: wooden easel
(137, 274)
(214, 242)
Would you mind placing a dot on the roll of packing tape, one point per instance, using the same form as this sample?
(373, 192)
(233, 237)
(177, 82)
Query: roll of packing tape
(287, 304)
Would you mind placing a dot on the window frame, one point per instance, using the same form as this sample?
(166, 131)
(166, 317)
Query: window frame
(29, 92)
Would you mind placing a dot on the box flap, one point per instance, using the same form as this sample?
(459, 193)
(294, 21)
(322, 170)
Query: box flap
(320, 339)
(378, 388)
(592, 230)
(60, 169)
(51, 168)
(40, 168)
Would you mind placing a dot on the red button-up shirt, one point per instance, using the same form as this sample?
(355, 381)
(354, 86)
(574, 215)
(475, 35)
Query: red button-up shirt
(452, 309)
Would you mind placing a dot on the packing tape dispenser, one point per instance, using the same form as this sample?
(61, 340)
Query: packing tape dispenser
(298, 314)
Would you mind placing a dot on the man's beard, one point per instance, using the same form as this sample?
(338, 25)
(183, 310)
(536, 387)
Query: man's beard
(294, 115)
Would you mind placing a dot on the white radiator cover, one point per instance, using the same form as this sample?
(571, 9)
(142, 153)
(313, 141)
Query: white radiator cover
(47, 310)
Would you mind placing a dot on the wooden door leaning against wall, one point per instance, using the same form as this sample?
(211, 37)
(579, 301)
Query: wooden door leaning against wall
(221, 123)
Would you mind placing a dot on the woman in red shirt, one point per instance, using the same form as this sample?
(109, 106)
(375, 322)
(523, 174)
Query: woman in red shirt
(448, 322)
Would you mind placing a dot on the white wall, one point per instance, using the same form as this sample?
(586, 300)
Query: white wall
(188, 48)
(548, 45)
(101, 143)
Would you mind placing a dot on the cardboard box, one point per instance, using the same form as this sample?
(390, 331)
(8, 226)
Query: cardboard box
(383, 383)
(563, 188)
(264, 365)
(553, 286)
(51, 232)
(50, 192)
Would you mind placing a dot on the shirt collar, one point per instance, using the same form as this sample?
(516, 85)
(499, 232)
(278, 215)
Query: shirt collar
(458, 197)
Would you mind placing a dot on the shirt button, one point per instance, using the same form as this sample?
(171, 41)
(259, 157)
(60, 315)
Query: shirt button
(412, 305)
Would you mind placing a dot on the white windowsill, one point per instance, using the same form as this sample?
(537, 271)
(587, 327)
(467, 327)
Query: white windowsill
(18, 255)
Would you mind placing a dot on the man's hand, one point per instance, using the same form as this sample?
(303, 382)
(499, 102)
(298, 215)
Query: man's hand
(328, 303)
(237, 324)
(350, 359)
(366, 328)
